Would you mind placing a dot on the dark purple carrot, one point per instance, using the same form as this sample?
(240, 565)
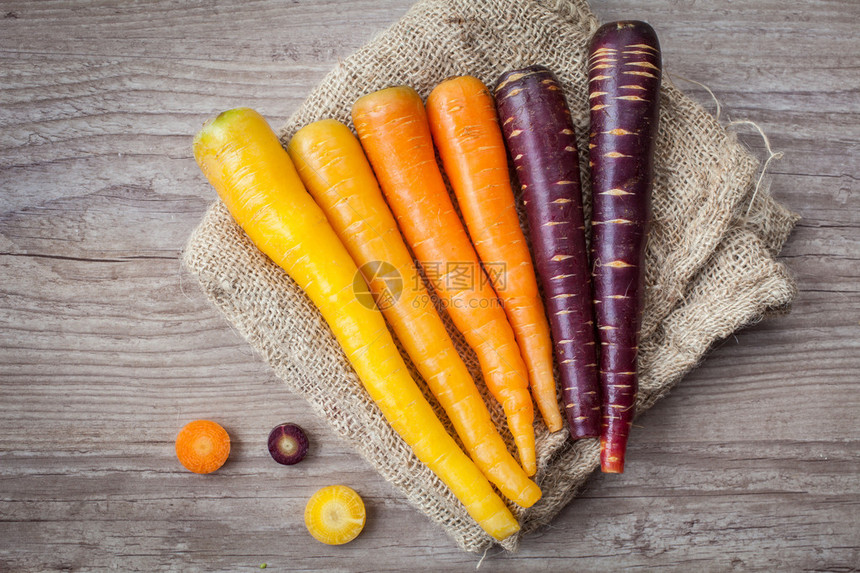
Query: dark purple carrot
(623, 84)
(539, 134)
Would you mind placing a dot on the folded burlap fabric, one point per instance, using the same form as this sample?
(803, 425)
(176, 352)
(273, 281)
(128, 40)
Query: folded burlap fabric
(709, 268)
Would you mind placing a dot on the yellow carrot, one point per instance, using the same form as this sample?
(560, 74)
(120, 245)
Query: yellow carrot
(392, 126)
(334, 169)
(466, 131)
(243, 159)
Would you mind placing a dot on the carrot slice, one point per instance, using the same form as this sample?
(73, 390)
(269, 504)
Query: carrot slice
(202, 446)
(335, 515)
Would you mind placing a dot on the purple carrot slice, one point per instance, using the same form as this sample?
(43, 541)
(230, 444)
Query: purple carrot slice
(539, 133)
(288, 444)
(624, 70)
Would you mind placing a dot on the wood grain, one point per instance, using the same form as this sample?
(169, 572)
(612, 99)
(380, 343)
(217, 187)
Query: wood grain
(752, 463)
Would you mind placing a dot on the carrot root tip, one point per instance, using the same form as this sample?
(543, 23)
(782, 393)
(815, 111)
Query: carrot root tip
(612, 457)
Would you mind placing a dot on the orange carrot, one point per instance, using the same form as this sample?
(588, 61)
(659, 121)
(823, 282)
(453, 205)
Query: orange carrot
(202, 446)
(335, 171)
(393, 128)
(466, 131)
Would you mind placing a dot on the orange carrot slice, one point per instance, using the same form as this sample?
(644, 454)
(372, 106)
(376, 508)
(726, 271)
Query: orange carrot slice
(335, 515)
(202, 446)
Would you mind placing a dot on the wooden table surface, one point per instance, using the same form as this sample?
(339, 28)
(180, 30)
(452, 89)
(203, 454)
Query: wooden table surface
(107, 347)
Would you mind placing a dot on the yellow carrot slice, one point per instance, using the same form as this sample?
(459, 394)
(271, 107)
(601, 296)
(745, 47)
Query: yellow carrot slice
(335, 171)
(243, 159)
(335, 515)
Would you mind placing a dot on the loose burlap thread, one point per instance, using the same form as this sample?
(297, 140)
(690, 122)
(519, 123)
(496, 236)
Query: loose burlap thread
(710, 265)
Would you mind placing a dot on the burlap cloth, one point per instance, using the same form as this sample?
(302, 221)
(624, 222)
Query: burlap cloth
(710, 259)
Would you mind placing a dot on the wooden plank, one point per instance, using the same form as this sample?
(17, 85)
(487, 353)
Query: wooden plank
(105, 352)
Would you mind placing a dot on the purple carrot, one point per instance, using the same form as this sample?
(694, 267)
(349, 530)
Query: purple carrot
(623, 84)
(539, 134)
